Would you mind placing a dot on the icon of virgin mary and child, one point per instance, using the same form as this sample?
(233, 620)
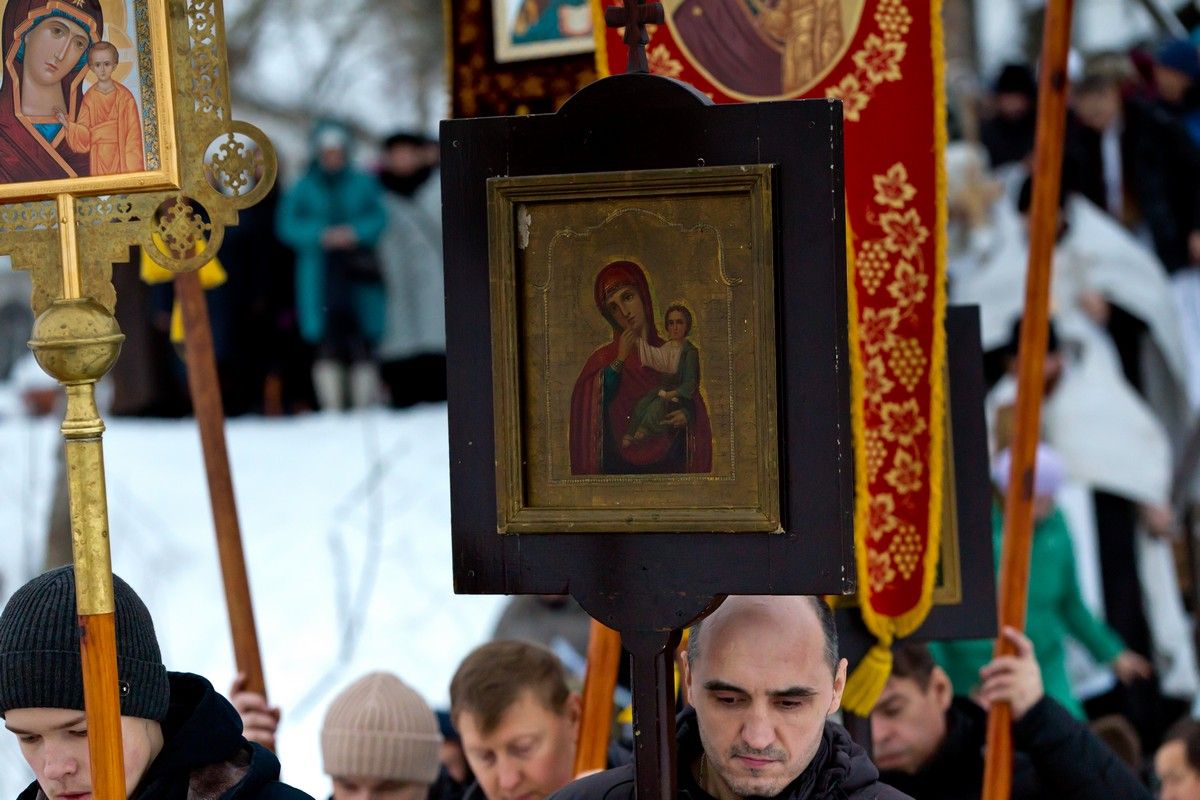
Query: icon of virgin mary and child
(49, 127)
(637, 406)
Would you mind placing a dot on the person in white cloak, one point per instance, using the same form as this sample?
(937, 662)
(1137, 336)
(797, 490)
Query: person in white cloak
(412, 353)
(1117, 445)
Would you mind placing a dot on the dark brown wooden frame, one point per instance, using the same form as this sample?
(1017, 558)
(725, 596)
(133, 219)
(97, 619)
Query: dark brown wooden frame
(649, 586)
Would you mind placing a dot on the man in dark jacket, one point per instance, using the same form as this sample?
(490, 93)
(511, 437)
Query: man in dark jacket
(1132, 160)
(180, 738)
(763, 676)
(930, 744)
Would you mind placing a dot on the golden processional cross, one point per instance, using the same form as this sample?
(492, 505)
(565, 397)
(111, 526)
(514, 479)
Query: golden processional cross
(75, 203)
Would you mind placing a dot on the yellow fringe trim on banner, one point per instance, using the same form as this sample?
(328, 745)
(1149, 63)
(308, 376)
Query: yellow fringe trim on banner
(866, 683)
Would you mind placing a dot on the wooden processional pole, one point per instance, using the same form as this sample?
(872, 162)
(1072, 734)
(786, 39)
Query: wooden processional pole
(1018, 506)
(595, 723)
(604, 644)
(205, 389)
(76, 341)
(209, 166)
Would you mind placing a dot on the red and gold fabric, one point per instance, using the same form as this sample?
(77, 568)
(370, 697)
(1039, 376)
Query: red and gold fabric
(883, 59)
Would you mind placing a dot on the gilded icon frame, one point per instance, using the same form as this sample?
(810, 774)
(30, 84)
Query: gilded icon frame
(550, 237)
(150, 19)
(505, 50)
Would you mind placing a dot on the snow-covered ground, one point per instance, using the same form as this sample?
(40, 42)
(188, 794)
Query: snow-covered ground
(346, 525)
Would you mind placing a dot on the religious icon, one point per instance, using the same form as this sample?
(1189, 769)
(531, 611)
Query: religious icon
(637, 405)
(637, 313)
(529, 29)
(764, 48)
(83, 97)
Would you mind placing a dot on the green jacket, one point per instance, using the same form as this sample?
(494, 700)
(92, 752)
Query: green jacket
(1056, 611)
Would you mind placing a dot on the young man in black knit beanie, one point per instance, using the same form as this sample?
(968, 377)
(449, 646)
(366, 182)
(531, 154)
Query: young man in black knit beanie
(181, 739)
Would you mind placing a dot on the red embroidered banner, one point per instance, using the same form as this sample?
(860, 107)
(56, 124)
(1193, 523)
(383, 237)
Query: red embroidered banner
(883, 60)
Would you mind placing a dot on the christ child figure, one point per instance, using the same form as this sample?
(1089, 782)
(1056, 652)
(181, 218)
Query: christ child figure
(679, 361)
(108, 126)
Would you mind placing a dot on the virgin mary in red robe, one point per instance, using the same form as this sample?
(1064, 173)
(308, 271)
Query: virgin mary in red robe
(607, 390)
(34, 148)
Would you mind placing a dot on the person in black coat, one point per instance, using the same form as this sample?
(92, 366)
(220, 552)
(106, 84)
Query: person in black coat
(1133, 160)
(930, 744)
(1008, 133)
(1177, 82)
(181, 740)
(763, 676)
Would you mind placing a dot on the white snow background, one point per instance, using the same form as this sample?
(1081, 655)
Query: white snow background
(346, 528)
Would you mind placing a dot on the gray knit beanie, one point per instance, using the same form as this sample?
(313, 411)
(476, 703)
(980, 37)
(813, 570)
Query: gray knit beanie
(379, 727)
(40, 665)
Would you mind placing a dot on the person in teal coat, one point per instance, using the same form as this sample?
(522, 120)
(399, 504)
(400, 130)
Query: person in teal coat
(333, 218)
(1056, 608)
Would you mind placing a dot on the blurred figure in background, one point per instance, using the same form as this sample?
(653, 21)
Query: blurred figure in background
(1135, 162)
(258, 307)
(333, 218)
(1056, 607)
(1177, 762)
(1008, 135)
(412, 353)
(555, 621)
(1176, 68)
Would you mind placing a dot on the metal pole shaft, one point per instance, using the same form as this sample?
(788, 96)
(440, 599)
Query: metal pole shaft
(76, 341)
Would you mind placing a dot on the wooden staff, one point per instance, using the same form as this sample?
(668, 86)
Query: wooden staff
(205, 389)
(595, 724)
(1031, 358)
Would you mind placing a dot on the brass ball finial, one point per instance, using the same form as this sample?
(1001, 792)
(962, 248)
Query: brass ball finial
(76, 341)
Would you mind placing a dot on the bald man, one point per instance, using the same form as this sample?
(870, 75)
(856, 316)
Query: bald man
(763, 675)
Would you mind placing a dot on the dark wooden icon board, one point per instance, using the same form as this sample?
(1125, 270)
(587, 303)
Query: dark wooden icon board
(650, 584)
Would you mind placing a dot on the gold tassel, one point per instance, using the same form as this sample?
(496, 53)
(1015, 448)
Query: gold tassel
(866, 683)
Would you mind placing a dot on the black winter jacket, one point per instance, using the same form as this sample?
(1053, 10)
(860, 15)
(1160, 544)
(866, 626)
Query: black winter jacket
(839, 771)
(1160, 175)
(1056, 758)
(204, 755)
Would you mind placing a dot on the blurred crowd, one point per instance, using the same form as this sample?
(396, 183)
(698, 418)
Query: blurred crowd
(1112, 599)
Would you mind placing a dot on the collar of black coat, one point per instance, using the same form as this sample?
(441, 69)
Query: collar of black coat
(204, 754)
(839, 767)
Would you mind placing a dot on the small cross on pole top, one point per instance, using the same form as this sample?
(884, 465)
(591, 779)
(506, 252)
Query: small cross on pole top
(635, 15)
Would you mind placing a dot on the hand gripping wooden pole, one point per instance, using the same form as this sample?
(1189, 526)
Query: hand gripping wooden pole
(595, 724)
(205, 389)
(76, 341)
(1018, 506)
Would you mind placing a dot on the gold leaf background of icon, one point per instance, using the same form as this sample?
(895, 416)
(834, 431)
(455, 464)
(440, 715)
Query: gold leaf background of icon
(224, 165)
